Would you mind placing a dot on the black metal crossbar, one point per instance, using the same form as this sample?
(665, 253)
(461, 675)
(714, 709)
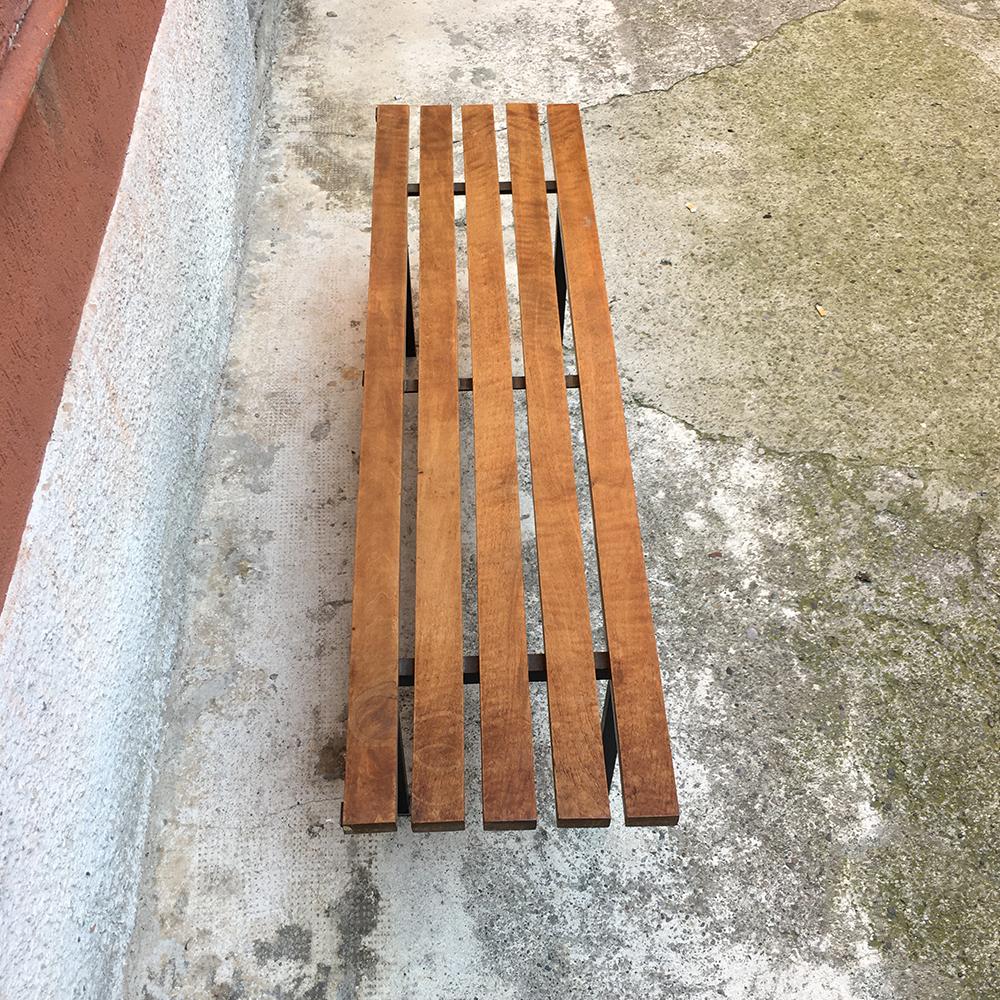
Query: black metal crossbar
(413, 190)
(465, 384)
(536, 668)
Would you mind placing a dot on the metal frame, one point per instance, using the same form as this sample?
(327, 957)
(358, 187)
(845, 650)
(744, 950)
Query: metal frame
(413, 190)
(560, 258)
(411, 328)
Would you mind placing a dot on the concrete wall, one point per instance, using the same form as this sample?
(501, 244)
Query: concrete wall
(88, 630)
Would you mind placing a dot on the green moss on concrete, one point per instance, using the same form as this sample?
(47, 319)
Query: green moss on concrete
(835, 626)
(851, 163)
(912, 640)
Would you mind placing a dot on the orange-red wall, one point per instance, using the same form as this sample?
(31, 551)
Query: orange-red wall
(11, 12)
(57, 188)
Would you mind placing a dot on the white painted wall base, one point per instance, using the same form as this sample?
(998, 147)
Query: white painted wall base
(88, 630)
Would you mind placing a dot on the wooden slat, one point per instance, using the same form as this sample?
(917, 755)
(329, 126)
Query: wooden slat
(438, 795)
(574, 720)
(648, 788)
(505, 709)
(370, 781)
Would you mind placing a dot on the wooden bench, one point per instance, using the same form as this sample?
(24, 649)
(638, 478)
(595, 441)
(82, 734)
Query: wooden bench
(585, 746)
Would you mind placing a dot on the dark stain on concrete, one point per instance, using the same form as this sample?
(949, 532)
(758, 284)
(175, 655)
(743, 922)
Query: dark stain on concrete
(248, 461)
(238, 564)
(456, 39)
(344, 180)
(301, 26)
(234, 989)
(320, 988)
(321, 430)
(330, 764)
(326, 611)
(482, 75)
(291, 942)
(356, 914)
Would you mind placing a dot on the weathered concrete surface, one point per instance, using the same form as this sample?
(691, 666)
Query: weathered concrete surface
(89, 629)
(818, 499)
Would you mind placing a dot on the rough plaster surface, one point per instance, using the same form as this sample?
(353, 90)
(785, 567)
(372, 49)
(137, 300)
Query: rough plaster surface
(11, 14)
(818, 498)
(89, 627)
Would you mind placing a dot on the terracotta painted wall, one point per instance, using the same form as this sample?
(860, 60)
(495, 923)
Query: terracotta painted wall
(57, 188)
(11, 12)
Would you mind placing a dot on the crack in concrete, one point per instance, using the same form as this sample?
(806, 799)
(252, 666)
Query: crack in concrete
(827, 462)
(771, 451)
(716, 67)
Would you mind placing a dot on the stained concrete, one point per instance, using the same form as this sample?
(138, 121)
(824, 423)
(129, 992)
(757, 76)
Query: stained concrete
(818, 496)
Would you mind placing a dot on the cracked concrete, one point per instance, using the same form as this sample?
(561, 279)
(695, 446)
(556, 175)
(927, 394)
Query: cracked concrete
(818, 496)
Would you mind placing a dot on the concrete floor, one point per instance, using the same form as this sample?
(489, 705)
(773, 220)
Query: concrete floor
(819, 504)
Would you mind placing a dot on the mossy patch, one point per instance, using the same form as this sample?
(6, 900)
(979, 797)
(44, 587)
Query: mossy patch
(850, 163)
(831, 644)
(899, 622)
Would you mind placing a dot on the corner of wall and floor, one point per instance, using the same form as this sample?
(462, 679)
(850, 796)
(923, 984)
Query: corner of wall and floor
(88, 630)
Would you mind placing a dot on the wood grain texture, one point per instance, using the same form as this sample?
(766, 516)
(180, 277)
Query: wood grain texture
(372, 719)
(648, 787)
(574, 720)
(505, 709)
(438, 793)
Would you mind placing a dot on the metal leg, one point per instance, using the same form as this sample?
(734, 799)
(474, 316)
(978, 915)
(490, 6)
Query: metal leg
(560, 279)
(609, 735)
(411, 333)
(402, 789)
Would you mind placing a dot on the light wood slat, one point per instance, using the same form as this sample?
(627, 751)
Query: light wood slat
(574, 721)
(648, 787)
(438, 795)
(505, 709)
(370, 780)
